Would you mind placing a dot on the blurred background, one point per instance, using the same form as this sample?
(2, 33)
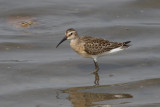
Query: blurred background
(33, 73)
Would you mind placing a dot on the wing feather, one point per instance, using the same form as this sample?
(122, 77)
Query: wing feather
(94, 46)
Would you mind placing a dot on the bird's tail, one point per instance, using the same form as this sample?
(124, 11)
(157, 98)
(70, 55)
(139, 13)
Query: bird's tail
(126, 44)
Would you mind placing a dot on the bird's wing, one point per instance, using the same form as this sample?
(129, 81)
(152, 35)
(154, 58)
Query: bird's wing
(95, 46)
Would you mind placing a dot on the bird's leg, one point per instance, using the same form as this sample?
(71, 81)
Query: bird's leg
(96, 81)
(96, 66)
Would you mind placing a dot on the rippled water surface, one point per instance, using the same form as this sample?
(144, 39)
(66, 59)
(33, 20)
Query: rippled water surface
(33, 73)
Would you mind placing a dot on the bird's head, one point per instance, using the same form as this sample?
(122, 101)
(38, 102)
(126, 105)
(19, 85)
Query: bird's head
(69, 34)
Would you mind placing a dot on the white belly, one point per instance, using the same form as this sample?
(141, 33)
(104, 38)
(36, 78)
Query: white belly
(115, 50)
(111, 51)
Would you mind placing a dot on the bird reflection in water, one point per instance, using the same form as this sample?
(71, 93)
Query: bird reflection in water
(87, 96)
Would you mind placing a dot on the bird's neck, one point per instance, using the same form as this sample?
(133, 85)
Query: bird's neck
(75, 38)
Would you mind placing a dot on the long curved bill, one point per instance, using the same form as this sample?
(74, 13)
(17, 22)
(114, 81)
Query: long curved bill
(65, 38)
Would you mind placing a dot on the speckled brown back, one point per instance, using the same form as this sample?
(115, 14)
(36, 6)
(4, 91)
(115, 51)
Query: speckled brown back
(95, 46)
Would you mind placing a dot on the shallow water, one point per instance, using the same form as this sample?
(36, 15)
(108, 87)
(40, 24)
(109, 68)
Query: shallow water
(36, 74)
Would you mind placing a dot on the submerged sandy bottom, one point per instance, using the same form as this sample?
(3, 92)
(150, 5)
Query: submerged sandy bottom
(33, 73)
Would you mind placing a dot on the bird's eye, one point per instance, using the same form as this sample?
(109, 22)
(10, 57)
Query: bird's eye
(70, 34)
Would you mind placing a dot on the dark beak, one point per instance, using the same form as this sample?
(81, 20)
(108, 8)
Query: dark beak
(65, 38)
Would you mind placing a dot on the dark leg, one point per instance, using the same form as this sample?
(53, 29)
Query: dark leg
(96, 66)
(96, 81)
